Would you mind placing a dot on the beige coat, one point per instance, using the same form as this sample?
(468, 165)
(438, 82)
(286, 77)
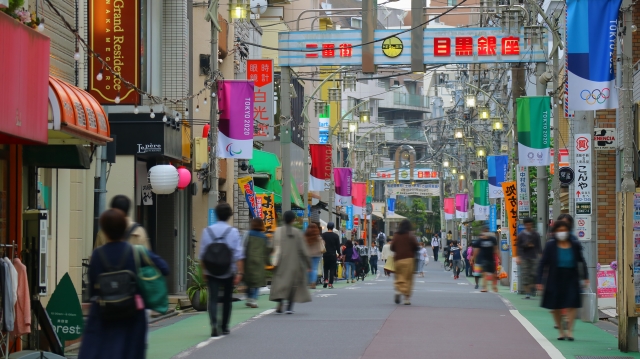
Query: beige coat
(138, 237)
(292, 265)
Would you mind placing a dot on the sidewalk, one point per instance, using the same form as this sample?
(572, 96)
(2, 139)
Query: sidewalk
(591, 341)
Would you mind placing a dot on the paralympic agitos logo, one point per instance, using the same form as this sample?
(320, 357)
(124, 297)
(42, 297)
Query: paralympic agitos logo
(230, 150)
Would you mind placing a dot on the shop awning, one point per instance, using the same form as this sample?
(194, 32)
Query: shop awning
(75, 117)
(59, 156)
(267, 162)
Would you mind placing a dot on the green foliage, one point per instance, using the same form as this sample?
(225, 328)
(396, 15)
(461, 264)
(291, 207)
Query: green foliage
(14, 5)
(197, 280)
(418, 215)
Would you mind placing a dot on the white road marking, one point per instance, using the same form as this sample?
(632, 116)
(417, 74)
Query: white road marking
(420, 281)
(463, 283)
(553, 352)
(324, 295)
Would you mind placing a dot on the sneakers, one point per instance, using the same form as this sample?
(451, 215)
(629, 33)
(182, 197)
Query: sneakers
(407, 301)
(226, 331)
(330, 286)
(477, 286)
(397, 299)
(214, 332)
(326, 282)
(289, 312)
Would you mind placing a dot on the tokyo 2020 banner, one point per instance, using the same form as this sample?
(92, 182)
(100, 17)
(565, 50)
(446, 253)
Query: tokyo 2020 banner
(235, 125)
(498, 167)
(591, 39)
(342, 177)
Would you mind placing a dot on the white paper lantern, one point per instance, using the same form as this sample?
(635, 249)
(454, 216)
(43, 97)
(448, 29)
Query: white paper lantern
(163, 179)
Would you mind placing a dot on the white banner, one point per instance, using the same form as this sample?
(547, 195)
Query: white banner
(582, 166)
(424, 190)
(523, 189)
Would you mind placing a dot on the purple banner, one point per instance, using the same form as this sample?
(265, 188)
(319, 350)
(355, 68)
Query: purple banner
(235, 123)
(462, 203)
(342, 177)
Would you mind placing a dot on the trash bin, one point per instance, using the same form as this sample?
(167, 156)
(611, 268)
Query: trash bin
(588, 312)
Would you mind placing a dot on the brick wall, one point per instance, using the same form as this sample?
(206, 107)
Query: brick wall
(605, 186)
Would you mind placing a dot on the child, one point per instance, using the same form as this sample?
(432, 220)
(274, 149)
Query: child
(456, 253)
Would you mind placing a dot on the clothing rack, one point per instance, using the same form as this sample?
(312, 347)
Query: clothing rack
(5, 338)
(13, 245)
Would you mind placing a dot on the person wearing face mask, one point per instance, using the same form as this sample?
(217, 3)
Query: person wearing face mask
(563, 262)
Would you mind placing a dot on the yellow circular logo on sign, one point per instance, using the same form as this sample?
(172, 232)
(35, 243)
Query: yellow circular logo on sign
(392, 47)
(404, 174)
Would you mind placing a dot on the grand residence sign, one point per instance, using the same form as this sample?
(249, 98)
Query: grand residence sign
(441, 46)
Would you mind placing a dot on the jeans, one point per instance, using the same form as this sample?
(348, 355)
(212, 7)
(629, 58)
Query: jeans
(435, 253)
(213, 285)
(457, 266)
(350, 268)
(252, 293)
(313, 275)
(373, 261)
(420, 266)
(330, 265)
(468, 269)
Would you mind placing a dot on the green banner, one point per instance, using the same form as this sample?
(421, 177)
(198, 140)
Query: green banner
(534, 130)
(481, 200)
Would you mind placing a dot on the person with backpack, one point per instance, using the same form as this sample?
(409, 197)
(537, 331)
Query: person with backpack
(256, 258)
(351, 256)
(135, 234)
(222, 259)
(435, 246)
(382, 239)
(117, 325)
(292, 266)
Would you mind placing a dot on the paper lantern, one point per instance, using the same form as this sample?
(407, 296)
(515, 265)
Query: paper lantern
(163, 179)
(184, 177)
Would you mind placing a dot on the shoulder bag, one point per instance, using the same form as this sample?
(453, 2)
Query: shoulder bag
(151, 283)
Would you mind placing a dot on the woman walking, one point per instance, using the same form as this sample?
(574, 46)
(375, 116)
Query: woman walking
(105, 335)
(373, 260)
(422, 258)
(292, 264)
(387, 257)
(349, 262)
(316, 248)
(256, 258)
(404, 246)
(562, 259)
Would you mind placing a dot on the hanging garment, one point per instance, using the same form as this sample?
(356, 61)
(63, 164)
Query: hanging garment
(23, 305)
(8, 302)
(14, 280)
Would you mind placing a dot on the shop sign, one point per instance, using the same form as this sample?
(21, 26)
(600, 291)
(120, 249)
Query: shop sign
(267, 210)
(261, 73)
(605, 138)
(65, 311)
(523, 189)
(583, 186)
(423, 190)
(384, 174)
(607, 283)
(149, 148)
(566, 175)
(511, 206)
(114, 34)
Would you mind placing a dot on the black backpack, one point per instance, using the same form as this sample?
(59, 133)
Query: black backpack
(117, 288)
(217, 256)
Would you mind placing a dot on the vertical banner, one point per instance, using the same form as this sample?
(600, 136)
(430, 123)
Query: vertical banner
(391, 206)
(534, 130)
(591, 37)
(481, 200)
(114, 32)
(511, 209)
(583, 185)
(342, 177)
(266, 205)
(320, 174)
(350, 217)
(524, 206)
(449, 209)
(323, 125)
(235, 124)
(462, 203)
(359, 198)
(261, 73)
(498, 167)
(493, 218)
(246, 185)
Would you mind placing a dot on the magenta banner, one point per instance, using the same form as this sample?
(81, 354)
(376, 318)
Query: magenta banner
(235, 123)
(462, 203)
(342, 177)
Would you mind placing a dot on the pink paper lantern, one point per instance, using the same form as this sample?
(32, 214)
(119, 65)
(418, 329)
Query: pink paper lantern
(185, 177)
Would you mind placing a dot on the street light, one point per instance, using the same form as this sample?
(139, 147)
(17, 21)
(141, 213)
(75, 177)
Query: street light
(239, 9)
(470, 100)
(481, 151)
(497, 124)
(320, 107)
(371, 146)
(380, 137)
(335, 94)
(349, 82)
(454, 169)
(458, 133)
(353, 126)
(469, 143)
(461, 177)
(484, 113)
(364, 116)
(445, 163)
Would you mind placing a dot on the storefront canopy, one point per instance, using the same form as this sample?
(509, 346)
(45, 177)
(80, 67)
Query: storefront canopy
(267, 162)
(75, 117)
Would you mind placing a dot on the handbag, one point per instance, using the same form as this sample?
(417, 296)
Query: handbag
(151, 283)
(323, 249)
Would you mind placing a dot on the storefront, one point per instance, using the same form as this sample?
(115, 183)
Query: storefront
(141, 143)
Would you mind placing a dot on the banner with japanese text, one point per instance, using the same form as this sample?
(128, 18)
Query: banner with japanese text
(350, 217)
(534, 130)
(266, 205)
(449, 208)
(235, 124)
(423, 190)
(511, 211)
(498, 167)
(342, 177)
(320, 174)
(481, 200)
(261, 73)
(462, 205)
(246, 185)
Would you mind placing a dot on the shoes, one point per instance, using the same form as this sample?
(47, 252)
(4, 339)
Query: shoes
(353, 281)
(476, 286)
(325, 283)
(407, 302)
(560, 338)
(526, 297)
(253, 305)
(330, 286)
(279, 309)
(214, 332)
(397, 299)
(289, 312)
(225, 331)
(570, 339)
(248, 303)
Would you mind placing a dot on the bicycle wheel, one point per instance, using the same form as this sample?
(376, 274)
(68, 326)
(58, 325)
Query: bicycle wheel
(448, 266)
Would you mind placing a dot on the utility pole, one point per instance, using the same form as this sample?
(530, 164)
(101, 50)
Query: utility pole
(285, 136)
(555, 184)
(541, 178)
(212, 16)
(626, 305)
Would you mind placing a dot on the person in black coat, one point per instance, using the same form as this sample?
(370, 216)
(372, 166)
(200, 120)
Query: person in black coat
(561, 259)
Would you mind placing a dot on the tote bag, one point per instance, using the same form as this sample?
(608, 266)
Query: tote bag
(151, 282)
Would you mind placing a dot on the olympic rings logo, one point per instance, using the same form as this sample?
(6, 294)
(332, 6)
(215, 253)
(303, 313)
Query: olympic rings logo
(599, 96)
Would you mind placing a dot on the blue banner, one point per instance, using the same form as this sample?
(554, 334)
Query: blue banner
(391, 205)
(592, 27)
(498, 167)
(493, 218)
(350, 220)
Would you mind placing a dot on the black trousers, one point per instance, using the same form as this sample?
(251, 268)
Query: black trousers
(329, 268)
(214, 285)
(435, 253)
(374, 264)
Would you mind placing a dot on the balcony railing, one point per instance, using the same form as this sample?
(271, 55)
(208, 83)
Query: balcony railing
(408, 134)
(401, 98)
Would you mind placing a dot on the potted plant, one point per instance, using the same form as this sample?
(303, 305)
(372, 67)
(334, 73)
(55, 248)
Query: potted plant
(197, 292)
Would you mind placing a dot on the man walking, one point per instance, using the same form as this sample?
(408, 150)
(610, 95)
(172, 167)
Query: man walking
(404, 246)
(214, 238)
(330, 256)
(135, 234)
(435, 246)
(529, 250)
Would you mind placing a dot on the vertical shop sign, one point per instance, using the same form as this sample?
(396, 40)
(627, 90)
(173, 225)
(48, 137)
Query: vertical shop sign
(493, 220)
(349, 217)
(324, 120)
(246, 185)
(261, 73)
(266, 206)
(65, 311)
(511, 204)
(583, 173)
(523, 190)
(114, 34)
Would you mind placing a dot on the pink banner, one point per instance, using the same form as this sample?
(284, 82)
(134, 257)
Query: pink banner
(359, 200)
(462, 203)
(449, 208)
(235, 125)
(342, 177)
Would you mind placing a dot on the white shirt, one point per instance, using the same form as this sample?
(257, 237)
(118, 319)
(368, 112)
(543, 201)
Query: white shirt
(374, 251)
(423, 253)
(435, 242)
(386, 251)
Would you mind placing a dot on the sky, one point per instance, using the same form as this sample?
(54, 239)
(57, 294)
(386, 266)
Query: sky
(401, 4)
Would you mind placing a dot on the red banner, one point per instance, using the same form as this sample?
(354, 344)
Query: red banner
(449, 208)
(359, 197)
(320, 167)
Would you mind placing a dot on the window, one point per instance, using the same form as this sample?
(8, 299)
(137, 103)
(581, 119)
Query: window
(452, 2)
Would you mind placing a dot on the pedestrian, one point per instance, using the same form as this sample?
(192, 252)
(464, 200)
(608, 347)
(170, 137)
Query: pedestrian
(222, 239)
(569, 220)
(435, 246)
(562, 260)
(485, 250)
(468, 252)
(382, 239)
(404, 246)
(291, 268)
(363, 252)
(349, 262)
(387, 257)
(135, 234)
(316, 247)
(256, 258)
(331, 255)
(373, 259)
(456, 255)
(449, 238)
(422, 259)
(105, 335)
(529, 250)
